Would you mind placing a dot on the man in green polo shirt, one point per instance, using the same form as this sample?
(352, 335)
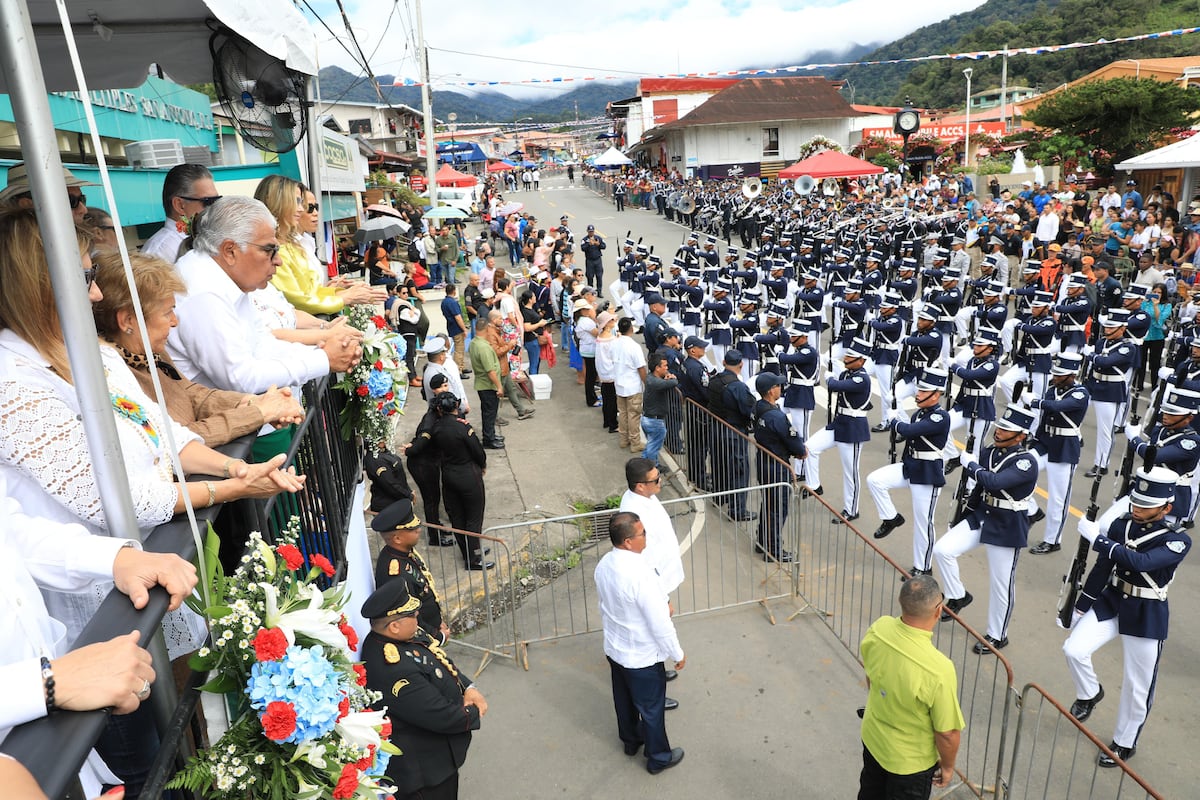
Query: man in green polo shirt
(912, 722)
(486, 366)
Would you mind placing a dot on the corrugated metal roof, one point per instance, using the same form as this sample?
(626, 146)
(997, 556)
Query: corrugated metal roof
(768, 100)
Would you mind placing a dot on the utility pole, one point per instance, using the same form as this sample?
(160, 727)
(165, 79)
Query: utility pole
(427, 109)
(1004, 91)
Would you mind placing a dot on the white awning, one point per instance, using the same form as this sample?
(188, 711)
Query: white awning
(1177, 155)
(171, 33)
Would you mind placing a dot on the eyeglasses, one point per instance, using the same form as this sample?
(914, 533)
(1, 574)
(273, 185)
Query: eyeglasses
(77, 200)
(657, 479)
(205, 201)
(313, 208)
(89, 277)
(271, 250)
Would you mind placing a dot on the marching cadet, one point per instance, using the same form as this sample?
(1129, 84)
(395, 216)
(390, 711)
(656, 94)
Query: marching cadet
(710, 260)
(849, 316)
(872, 278)
(920, 348)
(1022, 306)
(1059, 443)
(1033, 349)
(801, 366)
(920, 467)
(810, 303)
(688, 252)
(1115, 359)
(848, 429)
(947, 301)
(693, 383)
(905, 284)
(1176, 446)
(1126, 594)
(886, 330)
(786, 254)
(745, 327)
(992, 314)
(746, 277)
(976, 400)
(774, 340)
(1138, 323)
(398, 560)
(1073, 314)
(717, 314)
(774, 433)
(731, 263)
(431, 705)
(627, 267)
(691, 301)
(997, 517)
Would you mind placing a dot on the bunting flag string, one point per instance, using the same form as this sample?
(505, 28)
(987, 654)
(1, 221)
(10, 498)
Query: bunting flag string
(977, 55)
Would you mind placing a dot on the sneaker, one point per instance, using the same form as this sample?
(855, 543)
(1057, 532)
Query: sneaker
(525, 414)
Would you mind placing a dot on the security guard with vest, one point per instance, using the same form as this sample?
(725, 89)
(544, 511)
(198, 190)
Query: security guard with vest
(730, 400)
(920, 468)
(1059, 443)
(1005, 477)
(400, 530)
(848, 429)
(1126, 594)
(432, 706)
(774, 432)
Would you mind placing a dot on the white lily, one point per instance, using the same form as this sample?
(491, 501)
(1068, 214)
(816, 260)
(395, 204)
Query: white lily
(315, 622)
(313, 752)
(360, 728)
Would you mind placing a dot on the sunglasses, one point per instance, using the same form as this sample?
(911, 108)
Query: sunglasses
(658, 479)
(271, 250)
(205, 201)
(77, 200)
(313, 208)
(89, 277)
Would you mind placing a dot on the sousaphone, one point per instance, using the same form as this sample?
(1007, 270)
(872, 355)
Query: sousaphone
(805, 184)
(752, 188)
(830, 187)
(686, 205)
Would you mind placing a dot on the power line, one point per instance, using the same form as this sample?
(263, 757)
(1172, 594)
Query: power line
(539, 63)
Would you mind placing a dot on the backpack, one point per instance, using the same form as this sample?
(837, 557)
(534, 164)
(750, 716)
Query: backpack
(413, 253)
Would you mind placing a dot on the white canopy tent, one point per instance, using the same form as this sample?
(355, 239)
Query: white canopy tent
(1184, 154)
(612, 157)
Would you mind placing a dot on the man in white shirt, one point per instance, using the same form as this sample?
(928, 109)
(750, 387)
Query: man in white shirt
(188, 189)
(629, 381)
(638, 637)
(1047, 228)
(220, 340)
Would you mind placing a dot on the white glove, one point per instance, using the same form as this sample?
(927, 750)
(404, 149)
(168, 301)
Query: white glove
(964, 457)
(1075, 615)
(1164, 373)
(1087, 350)
(1006, 292)
(1089, 529)
(1132, 431)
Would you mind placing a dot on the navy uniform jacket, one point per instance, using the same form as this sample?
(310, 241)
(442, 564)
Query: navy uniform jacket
(1155, 551)
(1109, 293)
(852, 315)
(691, 302)
(717, 321)
(849, 423)
(1036, 349)
(885, 348)
(648, 281)
(393, 564)
(809, 303)
(872, 281)
(1138, 325)
(773, 430)
(669, 289)
(1024, 295)
(1063, 411)
(737, 404)
(1006, 477)
(770, 345)
(693, 381)
(948, 302)
(991, 317)
(424, 699)
(1107, 383)
(924, 347)
(652, 331)
(745, 328)
(924, 438)
(977, 390)
(1074, 314)
(907, 288)
(1178, 451)
(800, 367)
(745, 278)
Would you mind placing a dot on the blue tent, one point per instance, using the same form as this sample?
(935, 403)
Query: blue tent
(472, 154)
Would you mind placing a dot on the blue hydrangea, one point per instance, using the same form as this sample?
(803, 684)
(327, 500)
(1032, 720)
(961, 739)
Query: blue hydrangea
(380, 765)
(379, 383)
(400, 346)
(304, 678)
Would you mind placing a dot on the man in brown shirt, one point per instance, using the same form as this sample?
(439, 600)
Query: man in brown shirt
(495, 338)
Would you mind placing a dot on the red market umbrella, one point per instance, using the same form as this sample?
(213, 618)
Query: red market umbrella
(831, 164)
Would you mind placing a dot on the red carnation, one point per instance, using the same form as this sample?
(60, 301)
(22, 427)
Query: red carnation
(270, 644)
(362, 391)
(386, 730)
(279, 720)
(378, 365)
(322, 562)
(367, 761)
(347, 784)
(379, 321)
(343, 707)
(390, 396)
(361, 672)
(350, 634)
(291, 555)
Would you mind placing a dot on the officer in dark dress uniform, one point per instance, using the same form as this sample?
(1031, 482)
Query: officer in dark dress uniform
(1005, 477)
(398, 560)
(425, 465)
(386, 473)
(730, 400)
(1125, 594)
(693, 384)
(432, 706)
(774, 432)
(1059, 442)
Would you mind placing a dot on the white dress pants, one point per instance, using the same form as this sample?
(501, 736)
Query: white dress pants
(851, 455)
(1002, 570)
(924, 502)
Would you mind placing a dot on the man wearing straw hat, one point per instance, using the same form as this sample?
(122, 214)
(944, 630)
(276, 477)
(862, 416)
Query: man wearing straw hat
(18, 194)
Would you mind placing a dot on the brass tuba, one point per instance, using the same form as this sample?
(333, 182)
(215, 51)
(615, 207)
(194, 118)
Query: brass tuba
(805, 184)
(752, 188)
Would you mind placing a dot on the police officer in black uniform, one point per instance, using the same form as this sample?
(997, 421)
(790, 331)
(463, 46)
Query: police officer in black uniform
(730, 400)
(425, 465)
(400, 530)
(431, 705)
(774, 431)
(693, 384)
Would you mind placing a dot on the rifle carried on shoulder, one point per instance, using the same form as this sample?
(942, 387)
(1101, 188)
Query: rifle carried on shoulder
(1073, 580)
(960, 493)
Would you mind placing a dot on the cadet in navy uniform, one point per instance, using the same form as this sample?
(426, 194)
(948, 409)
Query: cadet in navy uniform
(810, 302)
(774, 340)
(975, 404)
(730, 399)
(745, 328)
(886, 330)
(905, 285)
(691, 302)
(920, 467)
(693, 383)
(1126, 593)
(1059, 442)
(848, 429)
(920, 348)
(1114, 361)
(1073, 314)
(400, 530)
(432, 706)
(1033, 350)
(992, 314)
(717, 313)
(801, 365)
(998, 518)
(850, 316)
(947, 301)
(1176, 447)
(774, 432)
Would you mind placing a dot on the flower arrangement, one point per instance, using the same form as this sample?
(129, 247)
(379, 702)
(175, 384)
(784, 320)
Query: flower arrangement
(816, 145)
(304, 728)
(374, 387)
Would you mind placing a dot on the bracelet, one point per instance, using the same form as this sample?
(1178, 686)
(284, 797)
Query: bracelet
(48, 685)
(225, 467)
(212, 494)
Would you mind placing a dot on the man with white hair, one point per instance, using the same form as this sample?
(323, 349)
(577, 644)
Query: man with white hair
(220, 340)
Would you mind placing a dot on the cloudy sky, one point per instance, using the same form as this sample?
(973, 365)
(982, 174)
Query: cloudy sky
(624, 38)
